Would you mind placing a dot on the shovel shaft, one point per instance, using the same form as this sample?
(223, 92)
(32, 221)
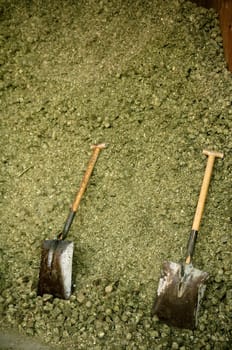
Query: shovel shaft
(89, 170)
(204, 187)
(201, 201)
(96, 150)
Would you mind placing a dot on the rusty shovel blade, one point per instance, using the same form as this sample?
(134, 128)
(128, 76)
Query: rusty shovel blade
(56, 268)
(180, 291)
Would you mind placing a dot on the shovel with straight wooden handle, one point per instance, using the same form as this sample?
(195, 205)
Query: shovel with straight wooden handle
(181, 286)
(55, 275)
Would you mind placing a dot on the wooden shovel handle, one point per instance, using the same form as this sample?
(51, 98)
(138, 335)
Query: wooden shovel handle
(89, 170)
(84, 182)
(204, 187)
(201, 203)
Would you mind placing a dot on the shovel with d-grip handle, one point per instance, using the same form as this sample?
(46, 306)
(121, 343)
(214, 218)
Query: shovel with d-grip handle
(181, 286)
(55, 275)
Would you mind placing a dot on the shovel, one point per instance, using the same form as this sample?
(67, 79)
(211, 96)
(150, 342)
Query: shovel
(55, 275)
(181, 286)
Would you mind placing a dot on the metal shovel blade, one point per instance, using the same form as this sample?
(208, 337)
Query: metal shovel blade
(55, 275)
(180, 290)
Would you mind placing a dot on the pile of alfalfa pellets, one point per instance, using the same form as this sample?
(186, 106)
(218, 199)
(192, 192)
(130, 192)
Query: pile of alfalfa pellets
(115, 317)
(148, 77)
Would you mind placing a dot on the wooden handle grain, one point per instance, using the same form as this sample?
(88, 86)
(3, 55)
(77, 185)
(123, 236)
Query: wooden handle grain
(89, 170)
(204, 188)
